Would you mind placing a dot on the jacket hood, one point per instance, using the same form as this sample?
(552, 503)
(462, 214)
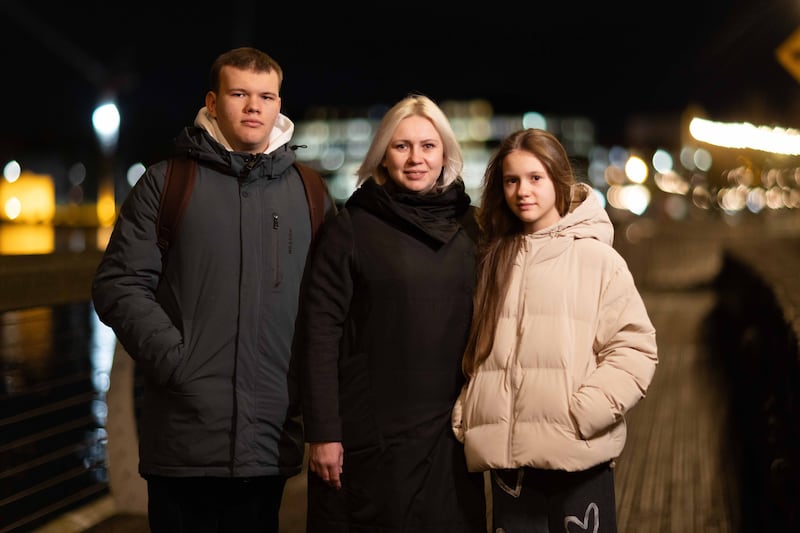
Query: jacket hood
(586, 220)
(435, 215)
(199, 143)
(280, 135)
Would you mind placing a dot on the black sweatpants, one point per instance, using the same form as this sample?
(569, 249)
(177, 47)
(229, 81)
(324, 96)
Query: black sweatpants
(531, 500)
(214, 505)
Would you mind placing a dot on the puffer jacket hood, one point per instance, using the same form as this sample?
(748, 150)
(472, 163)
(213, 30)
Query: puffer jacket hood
(585, 220)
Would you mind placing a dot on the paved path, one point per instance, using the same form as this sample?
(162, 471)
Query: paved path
(675, 474)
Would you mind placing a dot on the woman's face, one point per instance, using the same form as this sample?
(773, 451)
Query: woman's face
(414, 158)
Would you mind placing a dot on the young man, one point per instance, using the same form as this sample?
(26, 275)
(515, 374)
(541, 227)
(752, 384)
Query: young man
(210, 324)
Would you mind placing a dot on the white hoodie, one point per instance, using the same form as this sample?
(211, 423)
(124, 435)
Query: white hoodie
(280, 134)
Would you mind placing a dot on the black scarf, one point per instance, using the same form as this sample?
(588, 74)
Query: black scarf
(434, 215)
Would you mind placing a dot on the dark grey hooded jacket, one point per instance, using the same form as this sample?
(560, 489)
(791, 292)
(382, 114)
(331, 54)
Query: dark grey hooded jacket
(212, 333)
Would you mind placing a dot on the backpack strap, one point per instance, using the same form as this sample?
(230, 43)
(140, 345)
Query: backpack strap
(179, 182)
(178, 185)
(316, 192)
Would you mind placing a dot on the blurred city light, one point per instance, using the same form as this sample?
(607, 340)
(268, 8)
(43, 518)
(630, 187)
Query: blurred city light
(745, 135)
(636, 169)
(727, 168)
(27, 239)
(106, 120)
(30, 199)
(135, 172)
(11, 171)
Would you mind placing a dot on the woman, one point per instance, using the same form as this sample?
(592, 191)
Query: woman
(382, 329)
(561, 346)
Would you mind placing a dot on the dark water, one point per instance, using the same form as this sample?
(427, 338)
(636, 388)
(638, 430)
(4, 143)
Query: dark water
(55, 364)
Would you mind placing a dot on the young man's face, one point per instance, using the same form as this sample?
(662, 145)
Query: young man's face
(245, 107)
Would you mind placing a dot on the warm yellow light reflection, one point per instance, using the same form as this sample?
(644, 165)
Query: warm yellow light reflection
(745, 135)
(30, 199)
(671, 182)
(634, 198)
(103, 236)
(106, 210)
(26, 239)
(12, 208)
(636, 169)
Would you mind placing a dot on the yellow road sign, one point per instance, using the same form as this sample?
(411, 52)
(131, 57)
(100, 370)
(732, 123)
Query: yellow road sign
(788, 54)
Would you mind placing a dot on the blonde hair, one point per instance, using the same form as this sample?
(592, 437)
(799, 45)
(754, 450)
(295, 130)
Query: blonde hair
(412, 105)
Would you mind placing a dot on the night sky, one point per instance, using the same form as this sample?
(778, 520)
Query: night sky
(610, 61)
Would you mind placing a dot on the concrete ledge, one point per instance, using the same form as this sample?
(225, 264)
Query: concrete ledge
(81, 519)
(757, 335)
(776, 263)
(50, 279)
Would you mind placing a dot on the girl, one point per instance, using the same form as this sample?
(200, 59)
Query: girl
(560, 347)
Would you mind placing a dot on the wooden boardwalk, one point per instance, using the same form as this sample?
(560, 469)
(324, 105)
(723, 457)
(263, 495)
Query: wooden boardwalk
(677, 473)
(674, 475)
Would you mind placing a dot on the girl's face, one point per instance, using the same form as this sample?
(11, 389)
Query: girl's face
(529, 191)
(414, 158)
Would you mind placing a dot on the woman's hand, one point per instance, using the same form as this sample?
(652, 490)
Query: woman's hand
(326, 460)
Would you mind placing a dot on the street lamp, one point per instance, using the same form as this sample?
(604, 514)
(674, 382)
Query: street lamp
(105, 120)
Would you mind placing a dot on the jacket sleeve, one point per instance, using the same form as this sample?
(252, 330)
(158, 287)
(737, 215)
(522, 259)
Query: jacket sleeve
(324, 306)
(457, 416)
(125, 283)
(626, 355)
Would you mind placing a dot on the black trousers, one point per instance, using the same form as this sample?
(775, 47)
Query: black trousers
(214, 505)
(530, 500)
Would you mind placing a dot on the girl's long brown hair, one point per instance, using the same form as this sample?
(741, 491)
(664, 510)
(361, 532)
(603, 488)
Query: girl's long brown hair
(501, 234)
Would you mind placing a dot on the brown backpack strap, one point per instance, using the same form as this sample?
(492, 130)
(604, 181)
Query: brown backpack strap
(179, 182)
(316, 192)
(178, 185)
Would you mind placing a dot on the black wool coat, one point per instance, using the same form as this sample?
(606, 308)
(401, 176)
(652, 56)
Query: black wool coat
(382, 328)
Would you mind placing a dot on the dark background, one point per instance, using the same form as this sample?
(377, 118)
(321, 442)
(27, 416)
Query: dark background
(609, 61)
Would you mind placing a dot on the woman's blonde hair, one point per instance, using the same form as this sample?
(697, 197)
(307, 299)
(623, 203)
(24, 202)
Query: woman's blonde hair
(412, 105)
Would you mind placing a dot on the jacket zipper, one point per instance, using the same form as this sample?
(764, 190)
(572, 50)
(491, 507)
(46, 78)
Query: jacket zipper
(512, 372)
(276, 226)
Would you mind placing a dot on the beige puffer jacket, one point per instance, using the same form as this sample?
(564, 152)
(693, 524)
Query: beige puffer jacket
(574, 351)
